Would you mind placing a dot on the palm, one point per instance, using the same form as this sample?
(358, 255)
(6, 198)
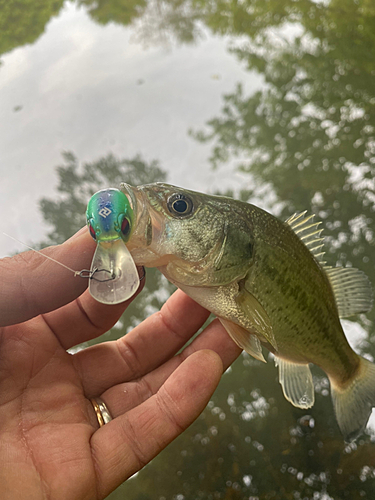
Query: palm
(45, 414)
(51, 446)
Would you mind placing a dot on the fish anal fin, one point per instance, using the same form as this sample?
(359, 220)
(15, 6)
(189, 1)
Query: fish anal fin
(244, 339)
(296, 382)
(259, 318)
(352, 290)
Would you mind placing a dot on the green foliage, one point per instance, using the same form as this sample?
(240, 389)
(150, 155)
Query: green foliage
(173, 20)
(23, 21)
(310, 134)
(118, 11)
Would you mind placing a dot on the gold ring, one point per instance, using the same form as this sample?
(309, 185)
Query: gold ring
(101, 411)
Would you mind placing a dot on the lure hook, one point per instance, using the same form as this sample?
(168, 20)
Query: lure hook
(90, 274)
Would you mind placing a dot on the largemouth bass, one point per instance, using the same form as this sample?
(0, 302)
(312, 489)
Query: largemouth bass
(267, 283)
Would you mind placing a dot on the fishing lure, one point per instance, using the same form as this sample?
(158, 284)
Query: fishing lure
(113, 276)
(110, 221)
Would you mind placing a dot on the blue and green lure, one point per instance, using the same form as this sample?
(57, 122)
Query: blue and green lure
(113, 273)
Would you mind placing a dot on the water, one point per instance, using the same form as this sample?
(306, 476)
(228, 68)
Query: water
(282, 91)
(94, 89)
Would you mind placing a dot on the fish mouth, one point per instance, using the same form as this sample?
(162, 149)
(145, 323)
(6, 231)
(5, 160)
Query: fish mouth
(138, 202)
(130, 193)
(146, 227)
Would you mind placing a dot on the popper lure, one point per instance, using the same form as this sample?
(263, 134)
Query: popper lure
(110, 221)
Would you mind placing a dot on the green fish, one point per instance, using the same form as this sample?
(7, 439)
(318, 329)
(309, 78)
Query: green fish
(267, 283)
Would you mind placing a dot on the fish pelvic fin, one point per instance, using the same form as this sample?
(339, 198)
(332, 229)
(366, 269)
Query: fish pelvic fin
(244, 339)
(353, 404)
(296, 382)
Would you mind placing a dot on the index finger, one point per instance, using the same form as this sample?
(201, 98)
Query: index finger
(32, 284)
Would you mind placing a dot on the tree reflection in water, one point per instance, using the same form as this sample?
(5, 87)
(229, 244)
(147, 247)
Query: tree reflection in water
(309, 136)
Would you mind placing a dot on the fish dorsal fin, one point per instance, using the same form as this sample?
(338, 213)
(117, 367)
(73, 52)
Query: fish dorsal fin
(351, 287)
(309, 233)
(297, 383)
(352, 290)
(244, 339)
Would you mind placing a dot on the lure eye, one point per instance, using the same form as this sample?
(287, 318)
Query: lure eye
(180, 205)
(92, 231)
(125, 226)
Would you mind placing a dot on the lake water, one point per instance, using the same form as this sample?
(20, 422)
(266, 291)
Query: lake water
(279, 97)
(94, 89)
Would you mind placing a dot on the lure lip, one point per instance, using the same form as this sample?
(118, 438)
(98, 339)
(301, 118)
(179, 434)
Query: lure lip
(114, 258)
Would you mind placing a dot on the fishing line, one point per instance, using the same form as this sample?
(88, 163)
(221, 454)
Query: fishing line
(84, 273)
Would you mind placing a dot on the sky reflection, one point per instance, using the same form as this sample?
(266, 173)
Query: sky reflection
(91, 90)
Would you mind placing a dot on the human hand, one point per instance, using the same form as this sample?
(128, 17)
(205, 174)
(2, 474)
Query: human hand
(51, 445)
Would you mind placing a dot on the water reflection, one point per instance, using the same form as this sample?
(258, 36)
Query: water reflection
(310, 137)
(23, 22)
(310, 134)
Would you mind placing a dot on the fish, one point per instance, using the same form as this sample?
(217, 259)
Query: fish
(267, 282)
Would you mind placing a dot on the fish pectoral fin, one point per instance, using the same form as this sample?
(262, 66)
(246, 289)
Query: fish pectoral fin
(297, 383)
(352, 290)
(254, 311)
(244, 339)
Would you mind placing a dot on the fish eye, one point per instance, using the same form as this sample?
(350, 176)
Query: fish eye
(180, 205)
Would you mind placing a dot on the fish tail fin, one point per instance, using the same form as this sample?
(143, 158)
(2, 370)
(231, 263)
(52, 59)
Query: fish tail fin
(353, 404)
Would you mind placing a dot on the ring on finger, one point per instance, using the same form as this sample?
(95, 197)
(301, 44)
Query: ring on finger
(102, 413)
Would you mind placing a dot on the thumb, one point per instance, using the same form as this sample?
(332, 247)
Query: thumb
(32, 284)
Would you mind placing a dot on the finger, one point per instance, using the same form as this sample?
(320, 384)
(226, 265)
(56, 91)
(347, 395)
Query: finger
(150, 344)
(123, 397)
(85, 318)
(127, 443)
(32, 284)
